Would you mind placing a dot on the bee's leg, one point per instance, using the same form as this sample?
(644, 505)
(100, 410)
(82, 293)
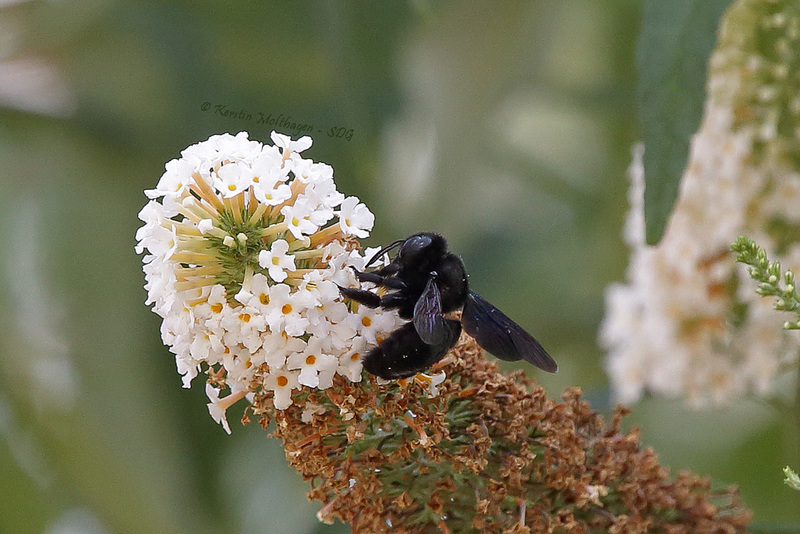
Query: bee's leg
(393, 300)
(378, 279)
(372, 276)
(373, 300)
(389, 270)
(394, 283)
(362, 296)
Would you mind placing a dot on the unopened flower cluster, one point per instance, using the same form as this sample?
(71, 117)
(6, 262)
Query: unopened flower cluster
(244, 246)
(687, 322)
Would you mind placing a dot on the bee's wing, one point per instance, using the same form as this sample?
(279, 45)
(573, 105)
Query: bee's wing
(501, 336)
(428, 319)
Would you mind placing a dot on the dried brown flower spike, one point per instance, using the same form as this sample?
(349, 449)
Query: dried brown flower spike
(489, 453)
(243, 261)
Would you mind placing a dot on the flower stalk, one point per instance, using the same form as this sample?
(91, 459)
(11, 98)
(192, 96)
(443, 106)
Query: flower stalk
(243, 261)
(679, 327)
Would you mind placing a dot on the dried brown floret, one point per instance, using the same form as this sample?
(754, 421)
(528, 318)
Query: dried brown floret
(489, 453)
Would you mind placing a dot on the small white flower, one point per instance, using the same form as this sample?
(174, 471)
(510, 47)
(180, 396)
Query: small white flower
(277, 347)
(285, 142)
(276, 261)
(316, 289)
(430, 382)
(268, 178)
(282, 383)
(255, 293)
(217, 407)
(370, 322)
(350, 363)
(298, 218)
(205, 345)
(175, 180)
(244, 325)
(278, 193)
(312, 362)
(355, 218)
(284, 314)
(231, 179)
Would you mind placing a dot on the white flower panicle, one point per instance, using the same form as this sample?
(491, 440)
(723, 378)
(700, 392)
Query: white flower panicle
(688, 322)
(242, 261)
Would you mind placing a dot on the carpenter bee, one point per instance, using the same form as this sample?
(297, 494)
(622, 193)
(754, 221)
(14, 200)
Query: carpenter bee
(425, 282)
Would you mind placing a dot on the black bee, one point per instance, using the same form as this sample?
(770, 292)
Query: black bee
(426, 282)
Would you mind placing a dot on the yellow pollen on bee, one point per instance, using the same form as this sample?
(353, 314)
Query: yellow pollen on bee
(286, 309)
(263, 298)
(216, 307)
(311, 359)
(282, 381)
(366, 321)
(244, 317)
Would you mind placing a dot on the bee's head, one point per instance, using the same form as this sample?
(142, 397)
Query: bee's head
(421, 249)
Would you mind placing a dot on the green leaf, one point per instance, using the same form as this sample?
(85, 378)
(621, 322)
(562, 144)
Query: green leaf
(672, 56)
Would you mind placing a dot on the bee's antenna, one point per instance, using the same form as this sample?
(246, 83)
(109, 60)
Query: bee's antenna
(383, 251)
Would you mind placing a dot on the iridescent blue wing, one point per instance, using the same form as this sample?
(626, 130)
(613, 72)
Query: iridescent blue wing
(501, 336)
(428, 319)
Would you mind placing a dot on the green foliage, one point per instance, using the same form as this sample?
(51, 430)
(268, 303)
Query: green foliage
(768, 274)
(674, 46)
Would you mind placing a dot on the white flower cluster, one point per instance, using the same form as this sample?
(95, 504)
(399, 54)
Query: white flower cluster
(242, 264)
(688, 322)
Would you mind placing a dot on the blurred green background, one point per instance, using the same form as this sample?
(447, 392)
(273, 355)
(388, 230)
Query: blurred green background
(504, 125)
